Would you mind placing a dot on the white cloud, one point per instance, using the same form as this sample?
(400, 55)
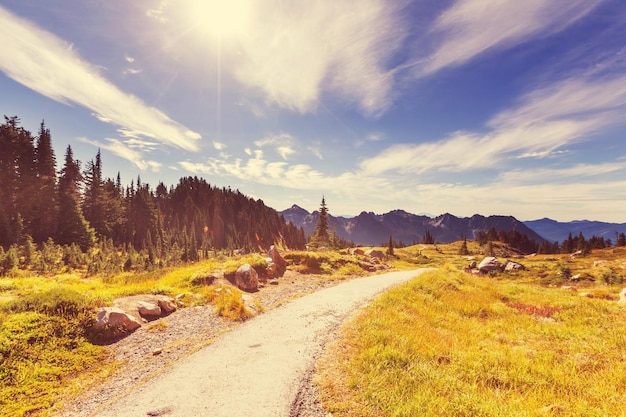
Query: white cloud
(283, 143)
(46, 64)
(471, 27)
(298, 51)
(545, 119)
(219, 145)
(125, 151)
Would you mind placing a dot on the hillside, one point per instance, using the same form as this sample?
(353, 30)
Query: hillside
(373, 229)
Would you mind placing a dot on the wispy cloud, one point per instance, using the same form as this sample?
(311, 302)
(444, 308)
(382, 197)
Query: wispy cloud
(130, 152)
(284, 144)
(545, 119)
(300, 52)
(219, 146)
(48, 65)
(471, 27)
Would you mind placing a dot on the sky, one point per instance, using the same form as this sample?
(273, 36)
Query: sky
(492, 107)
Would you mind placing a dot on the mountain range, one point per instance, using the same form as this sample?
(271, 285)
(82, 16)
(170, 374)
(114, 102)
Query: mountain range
(558, 231)
(374, 229)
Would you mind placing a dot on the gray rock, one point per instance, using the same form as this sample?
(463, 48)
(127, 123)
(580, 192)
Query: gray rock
(489, 264)
(148, 309)
(279, 263)
(115, 317)
(513, 266)
(246, 278)
(375, 253)
(167, 304)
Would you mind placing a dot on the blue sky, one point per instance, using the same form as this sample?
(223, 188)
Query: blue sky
(469, 106)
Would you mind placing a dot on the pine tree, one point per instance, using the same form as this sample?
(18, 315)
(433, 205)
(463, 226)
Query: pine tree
(18, 181)
(72, 226)
(320, 237)
(463, 250)
(428, 238)
(47, 204)
(94, 198)
(390, 246)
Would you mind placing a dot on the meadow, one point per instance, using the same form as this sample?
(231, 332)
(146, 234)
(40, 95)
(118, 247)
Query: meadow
(449, 343)
(48, 352)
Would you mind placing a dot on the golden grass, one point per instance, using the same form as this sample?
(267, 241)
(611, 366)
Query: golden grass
(453, 344)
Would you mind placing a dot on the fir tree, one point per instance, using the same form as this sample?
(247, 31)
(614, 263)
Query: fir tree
(390, 246)
(47, 205)
(72, 226)
(320, 237)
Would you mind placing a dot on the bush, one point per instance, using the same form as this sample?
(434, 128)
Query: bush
(60, 302)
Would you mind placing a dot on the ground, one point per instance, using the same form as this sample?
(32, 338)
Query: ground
(158, 344)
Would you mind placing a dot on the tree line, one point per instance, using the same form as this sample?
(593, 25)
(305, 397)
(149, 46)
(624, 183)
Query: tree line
(571, 244)
(78, 207)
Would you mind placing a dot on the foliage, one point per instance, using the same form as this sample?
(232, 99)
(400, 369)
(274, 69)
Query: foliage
(42, 345)
(449, 343)
(321, 238)
(164, 226)
(229, 303)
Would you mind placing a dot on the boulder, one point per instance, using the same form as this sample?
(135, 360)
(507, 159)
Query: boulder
(489, 264)
(359, 252)
(513, 266)
(250, 304)
(148, 309)
(599, 262)
(167, 304)
(279, 263)
(115, 317)
(622, 297)
(246, 278)
(375, 253)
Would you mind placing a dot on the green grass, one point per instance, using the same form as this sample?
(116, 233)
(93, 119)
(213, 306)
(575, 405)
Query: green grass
(453, 344)
(44, 346)
(46, 353)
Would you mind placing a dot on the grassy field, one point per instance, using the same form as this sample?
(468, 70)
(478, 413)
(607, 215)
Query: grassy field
(455, 344)
(47, 352)
(447, 344)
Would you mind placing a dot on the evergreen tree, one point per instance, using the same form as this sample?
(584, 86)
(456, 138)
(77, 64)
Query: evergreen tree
(320, 237)
(428, 238)
(463, 250)
(72, 226)
(94, 198)
(18, 181)
(390, 246)
(47, 204)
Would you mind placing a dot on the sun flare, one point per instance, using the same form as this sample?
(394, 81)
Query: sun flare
(221, 18)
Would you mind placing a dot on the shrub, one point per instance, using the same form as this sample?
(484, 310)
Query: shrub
(58, 301)
(229, 303)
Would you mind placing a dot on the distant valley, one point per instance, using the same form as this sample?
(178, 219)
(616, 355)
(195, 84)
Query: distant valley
(374, 229)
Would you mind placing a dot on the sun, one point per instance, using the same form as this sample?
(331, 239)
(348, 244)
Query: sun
(220, 18)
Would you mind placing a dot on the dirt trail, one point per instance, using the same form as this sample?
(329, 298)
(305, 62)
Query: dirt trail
(258, 368)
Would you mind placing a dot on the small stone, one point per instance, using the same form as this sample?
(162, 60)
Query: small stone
(157, 351)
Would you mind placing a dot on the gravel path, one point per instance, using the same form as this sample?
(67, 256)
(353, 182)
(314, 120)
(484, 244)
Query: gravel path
(261, 368)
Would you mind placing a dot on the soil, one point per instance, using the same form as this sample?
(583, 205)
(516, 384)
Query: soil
(159, 344)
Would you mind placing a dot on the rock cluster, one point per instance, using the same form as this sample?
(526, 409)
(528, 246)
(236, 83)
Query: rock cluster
(129, 313)
(248, 279)
(492, 264)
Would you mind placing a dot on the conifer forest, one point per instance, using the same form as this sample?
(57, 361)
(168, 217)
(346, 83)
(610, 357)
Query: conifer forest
(51, 219)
